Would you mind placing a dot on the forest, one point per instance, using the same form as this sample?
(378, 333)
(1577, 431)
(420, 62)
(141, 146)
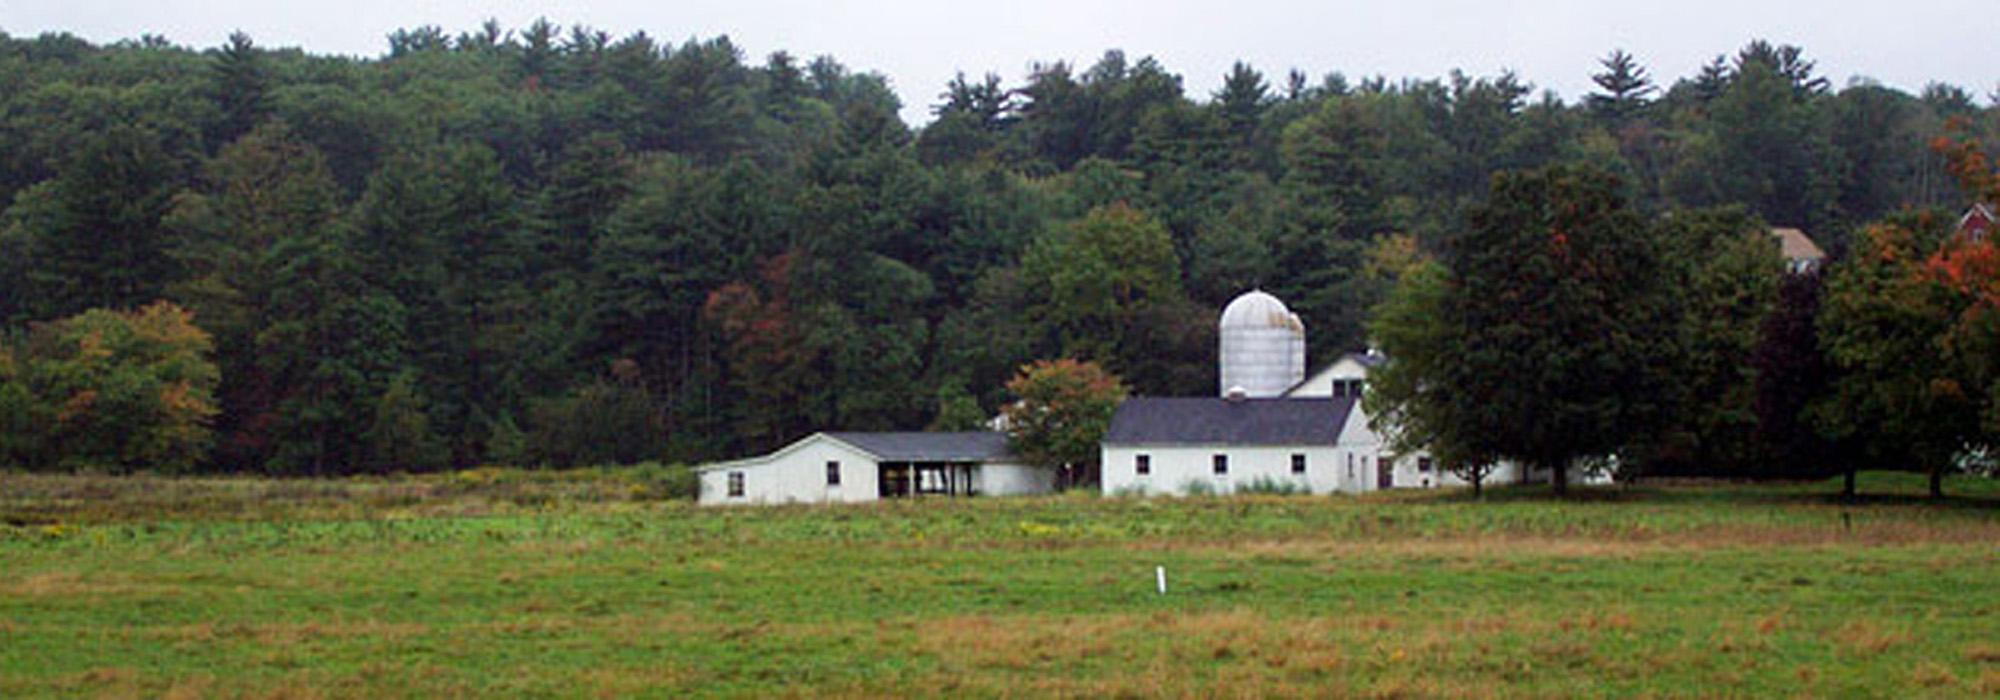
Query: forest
(555, 246)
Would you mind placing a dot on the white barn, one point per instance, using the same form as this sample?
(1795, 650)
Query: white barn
(1312, 432)
(852, 467)
(1223, 445)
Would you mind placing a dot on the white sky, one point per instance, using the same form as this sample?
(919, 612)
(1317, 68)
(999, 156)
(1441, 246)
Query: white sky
(920, 44)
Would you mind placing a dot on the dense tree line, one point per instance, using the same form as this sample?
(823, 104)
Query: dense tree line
(1559, 330)
(550, 245)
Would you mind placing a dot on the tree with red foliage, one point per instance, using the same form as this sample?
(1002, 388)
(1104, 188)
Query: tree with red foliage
(764, 359)
(1914, 320)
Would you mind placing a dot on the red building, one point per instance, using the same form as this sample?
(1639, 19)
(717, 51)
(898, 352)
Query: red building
(1977, 221)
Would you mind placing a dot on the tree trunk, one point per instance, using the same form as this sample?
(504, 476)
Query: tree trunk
(1477, 478)
(1559, 478)
(1937, 482)
(1847, 485)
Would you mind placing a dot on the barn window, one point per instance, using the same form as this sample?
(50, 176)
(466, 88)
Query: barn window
(1424, 464)
(1298, 464)
(833, 473)
(1339, 390)
(1143, 464)
(736, 484)
(1221, 464)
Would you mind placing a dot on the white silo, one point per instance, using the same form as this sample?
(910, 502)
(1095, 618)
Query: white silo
(1263, 346)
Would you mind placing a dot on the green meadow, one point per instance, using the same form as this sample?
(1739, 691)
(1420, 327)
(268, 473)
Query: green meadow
(598, 583)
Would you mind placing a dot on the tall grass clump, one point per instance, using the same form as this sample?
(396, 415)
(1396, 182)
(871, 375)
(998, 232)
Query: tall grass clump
(1197, 487)
(1267, 486)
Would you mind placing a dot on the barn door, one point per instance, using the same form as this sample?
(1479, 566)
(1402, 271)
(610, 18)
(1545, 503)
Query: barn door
(1385, 473)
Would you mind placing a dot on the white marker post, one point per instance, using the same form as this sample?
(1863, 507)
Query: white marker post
(1160, 573)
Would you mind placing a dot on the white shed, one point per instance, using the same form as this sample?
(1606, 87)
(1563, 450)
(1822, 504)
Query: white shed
(848, 467)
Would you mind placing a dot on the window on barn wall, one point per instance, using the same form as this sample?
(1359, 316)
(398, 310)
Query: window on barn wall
(833, 473)
(1298, 464)
(1424, 464)
(1221, 464)
(1143, 464)
(1339, 389)
(736, 484)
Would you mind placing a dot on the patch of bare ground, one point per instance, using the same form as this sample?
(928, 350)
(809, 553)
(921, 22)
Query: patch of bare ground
(1866, 638)
(1988, 683)
(284, 633)
(55, 584)
(1167, 654)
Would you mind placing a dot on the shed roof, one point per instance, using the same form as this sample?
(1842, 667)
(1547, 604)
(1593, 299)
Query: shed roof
(1217, 421)
(968, 446)
(1794, 245)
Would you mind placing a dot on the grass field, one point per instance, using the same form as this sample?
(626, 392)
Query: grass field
(586, 584)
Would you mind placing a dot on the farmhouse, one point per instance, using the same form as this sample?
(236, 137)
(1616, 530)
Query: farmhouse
(854, 467)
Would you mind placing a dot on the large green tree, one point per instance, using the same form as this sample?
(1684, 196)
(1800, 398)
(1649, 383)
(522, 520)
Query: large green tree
(265, 188)
(1096, 280)
(1552, 313)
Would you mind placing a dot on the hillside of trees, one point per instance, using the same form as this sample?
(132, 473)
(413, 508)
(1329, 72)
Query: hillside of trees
(557, 246)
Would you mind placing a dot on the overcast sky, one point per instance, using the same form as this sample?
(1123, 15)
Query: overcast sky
(920, 44)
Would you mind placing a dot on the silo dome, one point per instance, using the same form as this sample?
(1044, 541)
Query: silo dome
(1263, 346)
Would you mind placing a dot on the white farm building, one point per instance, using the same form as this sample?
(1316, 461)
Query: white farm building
(856, 467)
(1269, 426)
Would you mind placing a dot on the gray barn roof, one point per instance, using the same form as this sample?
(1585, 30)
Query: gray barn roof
(1216, 421)
(972, 446)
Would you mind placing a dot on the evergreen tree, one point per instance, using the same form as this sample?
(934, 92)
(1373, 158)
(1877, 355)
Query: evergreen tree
(240, 87)
(261, 190)
(400, 438)
(1625, 87)
(94, 231)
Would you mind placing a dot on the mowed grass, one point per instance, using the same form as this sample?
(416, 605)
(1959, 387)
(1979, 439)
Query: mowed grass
(520, 584)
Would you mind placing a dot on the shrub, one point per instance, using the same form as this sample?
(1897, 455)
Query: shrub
(666, 481)
(1197, 487)
(1272, 487)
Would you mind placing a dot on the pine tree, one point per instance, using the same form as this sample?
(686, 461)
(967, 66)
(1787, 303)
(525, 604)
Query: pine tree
(1625, 88)
(400, 438)
(240, 83)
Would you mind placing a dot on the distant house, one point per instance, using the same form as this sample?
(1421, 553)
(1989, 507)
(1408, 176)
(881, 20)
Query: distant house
(1801, 254)
(849, 467)
(1977, 222)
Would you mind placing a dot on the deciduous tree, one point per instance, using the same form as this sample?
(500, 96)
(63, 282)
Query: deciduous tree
(1060, 411)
